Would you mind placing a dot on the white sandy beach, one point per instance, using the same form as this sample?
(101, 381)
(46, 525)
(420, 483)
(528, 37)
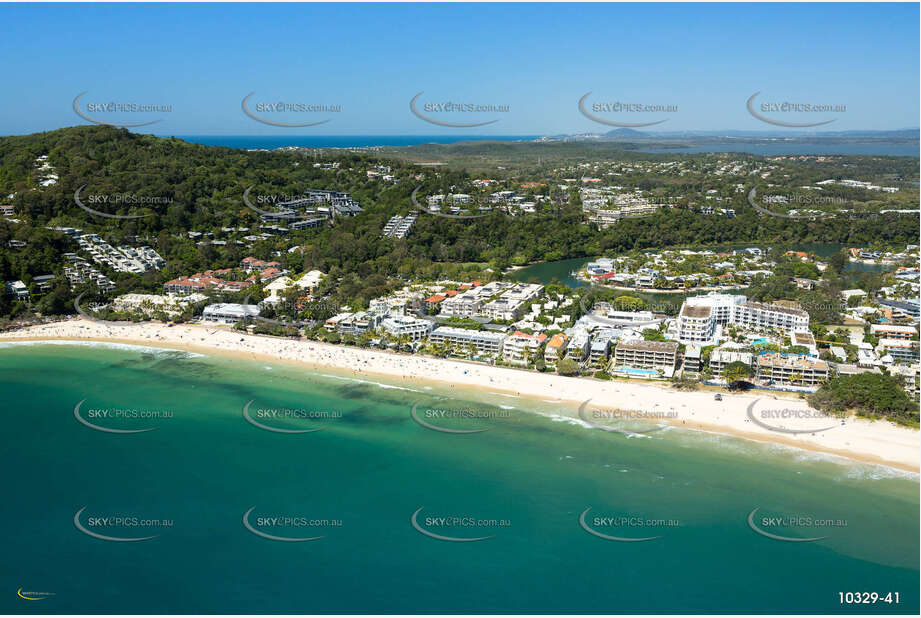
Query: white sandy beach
(877, 442)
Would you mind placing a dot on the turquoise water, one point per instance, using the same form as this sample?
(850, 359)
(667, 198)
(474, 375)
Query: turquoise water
(371, 466)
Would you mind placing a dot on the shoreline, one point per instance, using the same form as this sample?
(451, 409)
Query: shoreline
(864, 441)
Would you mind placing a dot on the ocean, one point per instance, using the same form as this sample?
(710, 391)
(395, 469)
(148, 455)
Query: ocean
(398, 506)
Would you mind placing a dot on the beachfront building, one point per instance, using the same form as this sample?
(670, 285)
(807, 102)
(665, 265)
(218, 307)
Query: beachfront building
(357, 323)
(520, 348)
(483, 341)
(791, 369)
(228, 313)
(652, 356)
(578, 346)
(602, 340)
(148, 304)
(693, 361)
(893, 331)
(720, 358)
(555, 348)
(307, 284)
(407, 326)
(912, 379)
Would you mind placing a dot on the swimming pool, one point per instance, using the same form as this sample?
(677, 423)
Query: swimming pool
(637, 372)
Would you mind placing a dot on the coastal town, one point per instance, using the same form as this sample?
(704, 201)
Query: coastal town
(771, 319)
(773, 345)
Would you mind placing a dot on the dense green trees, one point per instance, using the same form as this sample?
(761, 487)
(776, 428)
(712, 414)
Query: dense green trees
(869, 394)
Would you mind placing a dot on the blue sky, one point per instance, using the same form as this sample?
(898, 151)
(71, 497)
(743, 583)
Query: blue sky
(537, 59)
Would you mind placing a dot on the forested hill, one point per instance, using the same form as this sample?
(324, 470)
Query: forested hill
(203, 187)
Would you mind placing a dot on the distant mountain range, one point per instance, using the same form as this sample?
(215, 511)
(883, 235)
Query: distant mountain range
(730, 136)
(768, 134)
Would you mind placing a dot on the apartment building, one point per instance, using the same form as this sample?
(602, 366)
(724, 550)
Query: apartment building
(760, 315)
(408, 326)
(484, 341)
(696, 324)
(647, 355)
(510, 304)
(693, 361)
(519, 347)
(720, 358)
(602, 340)
(555, 348)
(893, 331)
(903, 350)
(579, 344)
(399, 227)
(777, 368)
(228, 313)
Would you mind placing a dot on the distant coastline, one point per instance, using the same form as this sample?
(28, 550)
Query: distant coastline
(751, 145)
